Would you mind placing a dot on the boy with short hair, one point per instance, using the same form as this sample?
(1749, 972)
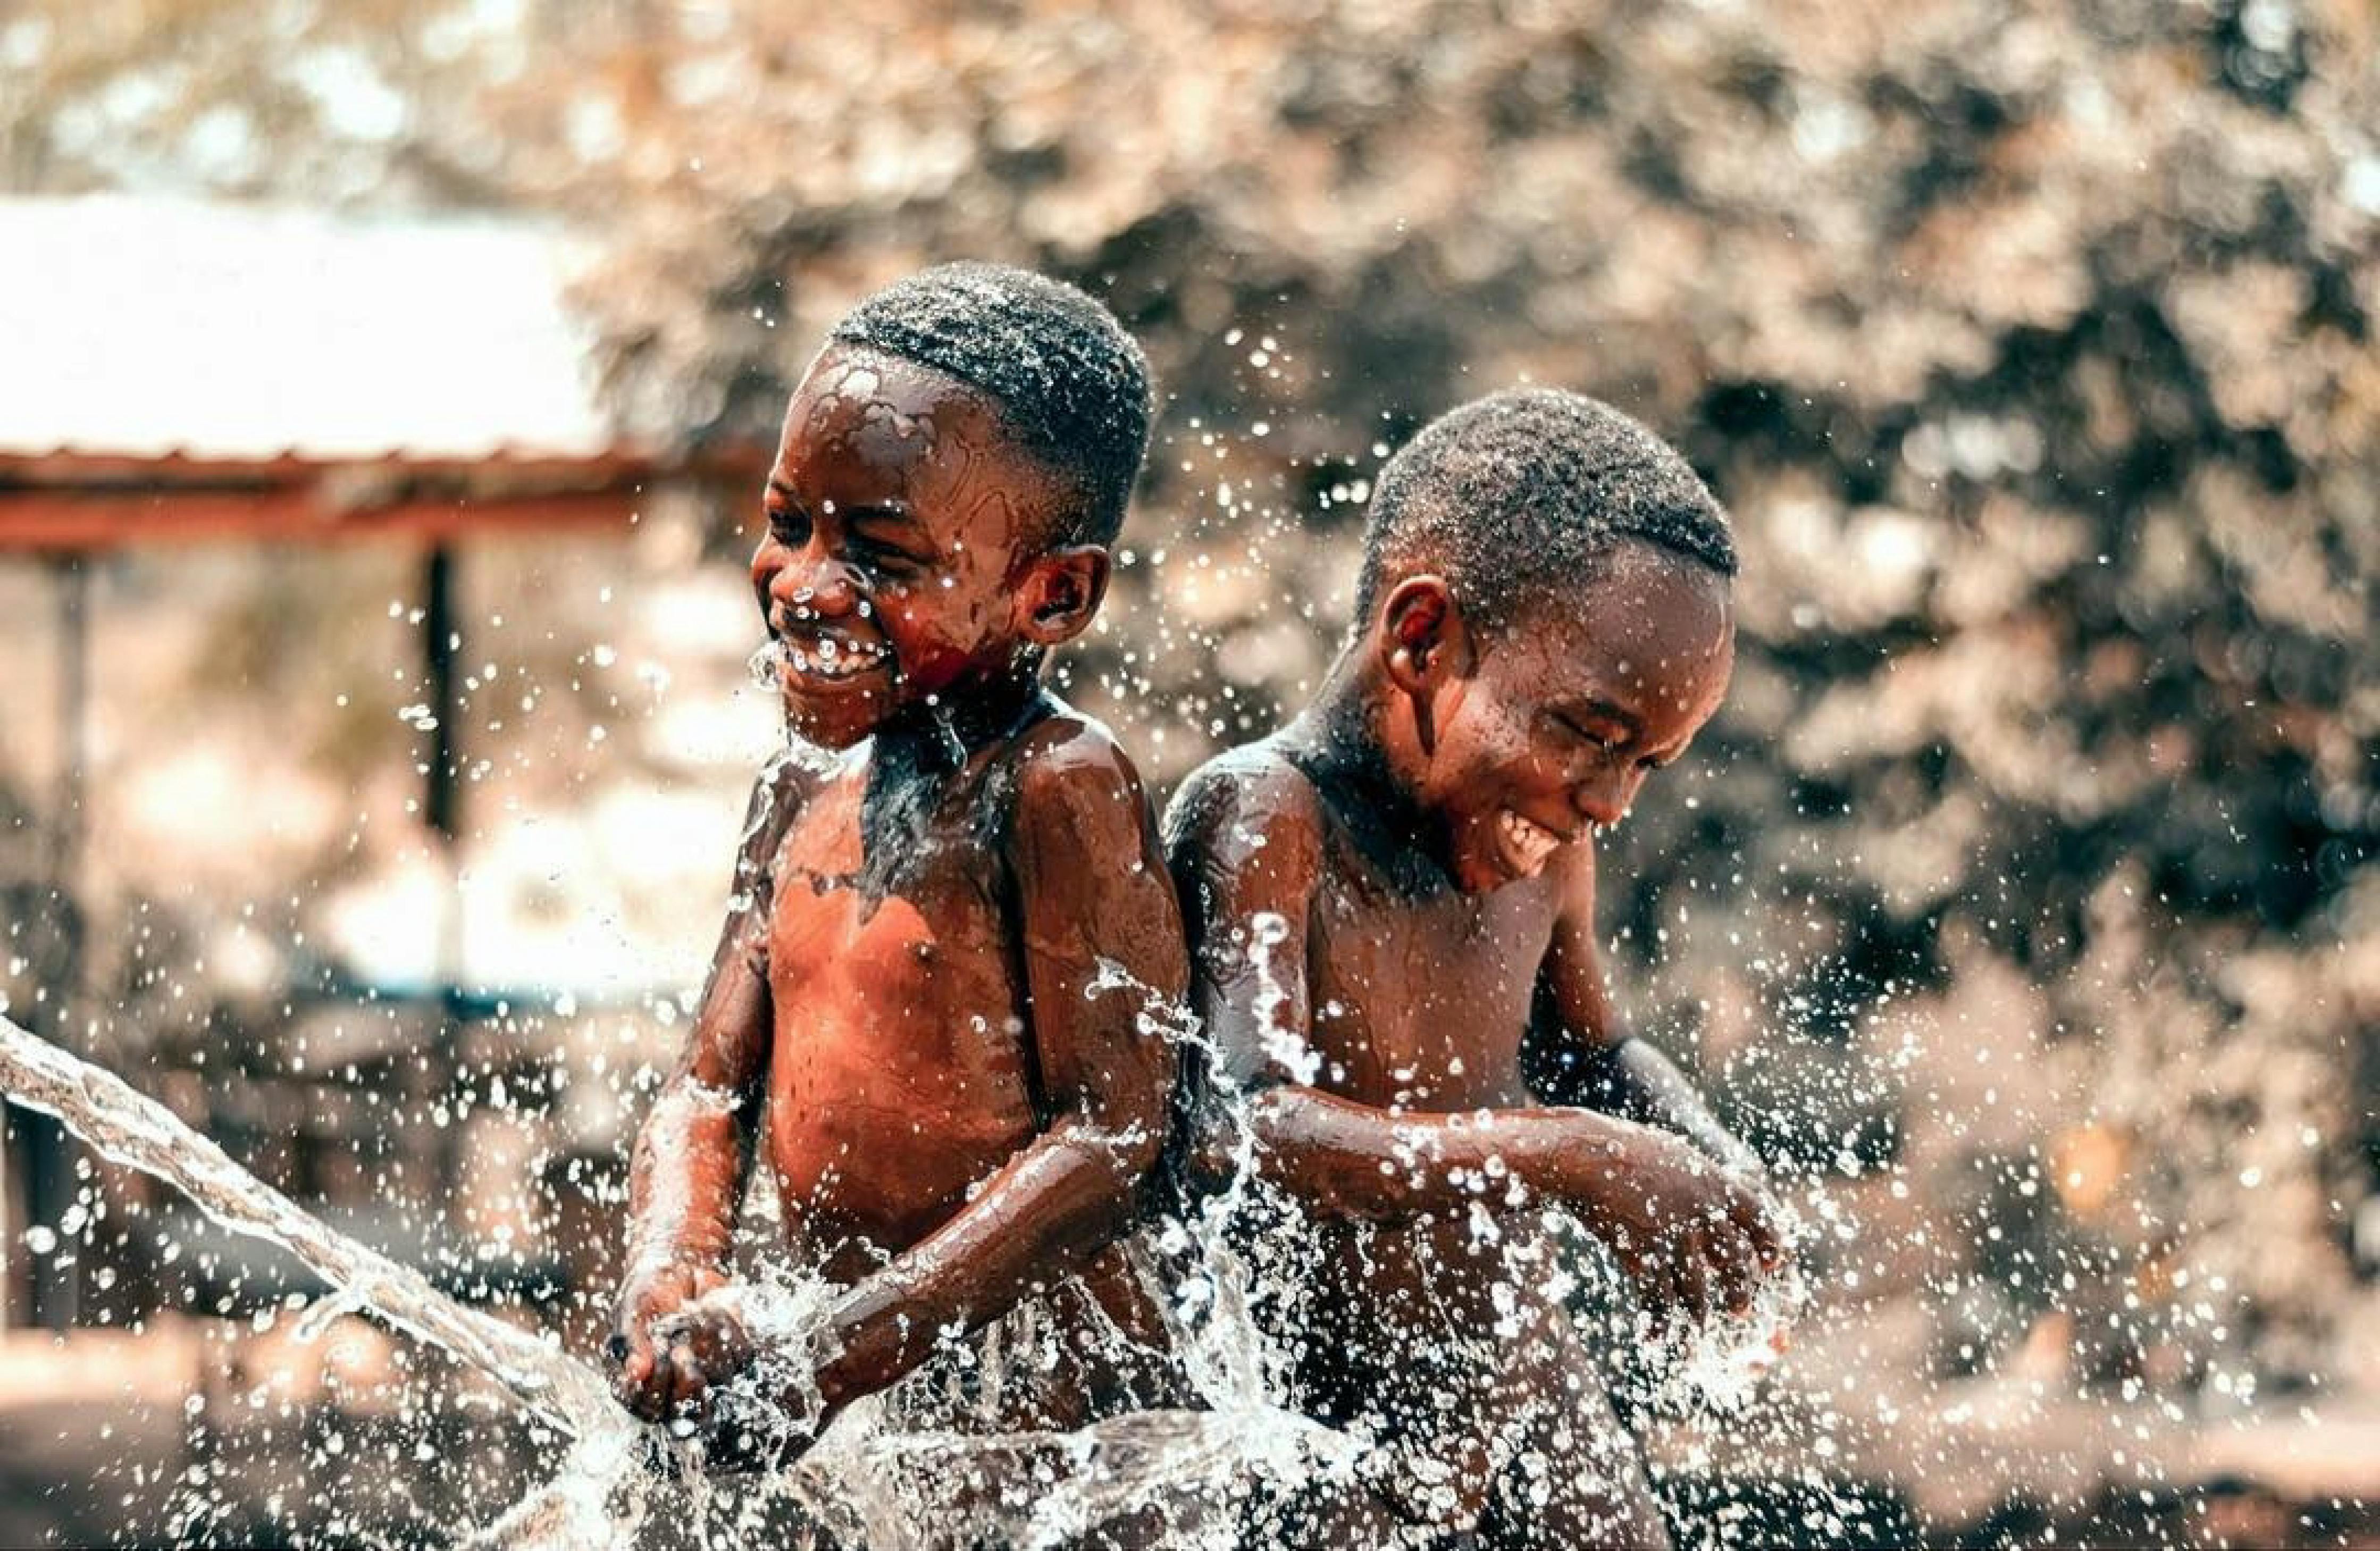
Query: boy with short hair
(1392, 908)
(907, 1015)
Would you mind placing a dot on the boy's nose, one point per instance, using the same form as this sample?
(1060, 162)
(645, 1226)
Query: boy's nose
(1605, 797)
(825, 586)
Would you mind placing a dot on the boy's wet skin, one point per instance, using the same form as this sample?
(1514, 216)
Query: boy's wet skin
(1421, 832)
(954, 1124)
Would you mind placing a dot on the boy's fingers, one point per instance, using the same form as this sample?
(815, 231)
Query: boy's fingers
(1686, 1271)
(1760, 1224)
(718, 1345)
(1656, 1276)
(659, 1384)
(1738, 1264)
(689, 1387)
(632, 1378)
(1683, 1256)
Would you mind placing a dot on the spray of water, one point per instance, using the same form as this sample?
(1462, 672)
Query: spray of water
(134, 1130)
(879, 1477)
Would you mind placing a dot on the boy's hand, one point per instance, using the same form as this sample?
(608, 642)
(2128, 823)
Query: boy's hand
(672, 1344)
(1693, 1235)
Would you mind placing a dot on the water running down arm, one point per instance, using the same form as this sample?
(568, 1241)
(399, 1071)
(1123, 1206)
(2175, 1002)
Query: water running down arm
(1089, 889)
(686, 1174)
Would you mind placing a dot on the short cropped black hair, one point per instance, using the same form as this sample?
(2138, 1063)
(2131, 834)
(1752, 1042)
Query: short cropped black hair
(1526, 491)
(1070, 385)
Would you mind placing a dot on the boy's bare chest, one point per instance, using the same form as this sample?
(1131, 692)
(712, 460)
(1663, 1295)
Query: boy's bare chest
(1424, 1002)
(881, 950)
(898, 1072)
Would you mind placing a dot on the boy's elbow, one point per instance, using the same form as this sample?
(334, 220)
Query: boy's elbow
(1134, 1136)
(1215, 1138)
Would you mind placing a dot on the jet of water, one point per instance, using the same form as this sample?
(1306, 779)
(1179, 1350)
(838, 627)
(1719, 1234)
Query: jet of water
(136, 1131)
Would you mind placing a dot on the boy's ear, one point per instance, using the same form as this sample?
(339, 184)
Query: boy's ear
(1061, 592)
(1421, 636)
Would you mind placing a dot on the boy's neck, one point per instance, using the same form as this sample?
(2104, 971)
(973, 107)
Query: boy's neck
(913, 762)
(1343, 742)
(969, 717)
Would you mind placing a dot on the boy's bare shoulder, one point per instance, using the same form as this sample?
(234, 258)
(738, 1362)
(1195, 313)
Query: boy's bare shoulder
(784, 784)
(1068, 766)
(1246, 800)
(793, 773)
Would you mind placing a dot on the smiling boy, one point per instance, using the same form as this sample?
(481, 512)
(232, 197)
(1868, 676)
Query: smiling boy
(1392, 909)
(905, 1017)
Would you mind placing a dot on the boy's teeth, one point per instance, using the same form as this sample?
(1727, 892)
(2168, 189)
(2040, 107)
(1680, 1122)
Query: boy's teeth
(835, 658)
(1534, 841)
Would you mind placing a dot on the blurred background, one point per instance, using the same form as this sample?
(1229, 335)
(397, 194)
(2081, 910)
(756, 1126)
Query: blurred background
(383, 393)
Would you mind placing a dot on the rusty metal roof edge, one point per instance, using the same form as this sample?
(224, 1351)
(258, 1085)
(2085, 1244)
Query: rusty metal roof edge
(68, 466)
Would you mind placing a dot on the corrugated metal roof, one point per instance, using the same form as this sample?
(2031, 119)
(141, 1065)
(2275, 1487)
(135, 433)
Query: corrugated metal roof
(145, 327)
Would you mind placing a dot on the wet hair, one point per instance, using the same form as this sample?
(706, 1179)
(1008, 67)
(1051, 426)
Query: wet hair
(1524, 493)
(1072, 387)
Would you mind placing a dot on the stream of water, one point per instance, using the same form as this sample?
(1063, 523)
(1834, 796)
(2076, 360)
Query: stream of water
(873, 1482)
(132, 1129)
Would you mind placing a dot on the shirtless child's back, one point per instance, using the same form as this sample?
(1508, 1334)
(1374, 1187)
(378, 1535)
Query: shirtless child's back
(904, 1018)
(1392, 903)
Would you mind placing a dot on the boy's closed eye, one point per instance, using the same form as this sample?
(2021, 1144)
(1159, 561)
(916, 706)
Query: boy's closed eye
(880, 539)
(890, 541)
(1594, 734)
(1610, 734)
(788, 524)
(1595, 728)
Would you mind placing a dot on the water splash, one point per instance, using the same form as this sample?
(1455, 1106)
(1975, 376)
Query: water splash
(1716, 1367)
(1283, 1044)
(886, 1474)
(876, 1478)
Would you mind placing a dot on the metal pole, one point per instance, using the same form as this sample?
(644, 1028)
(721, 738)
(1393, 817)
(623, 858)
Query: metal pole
(442, 644)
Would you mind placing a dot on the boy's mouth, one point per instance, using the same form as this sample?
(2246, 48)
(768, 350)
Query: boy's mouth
(829, 659)
(1526, 844)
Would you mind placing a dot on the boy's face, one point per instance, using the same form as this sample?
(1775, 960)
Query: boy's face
(904, 555)
(1557, 722)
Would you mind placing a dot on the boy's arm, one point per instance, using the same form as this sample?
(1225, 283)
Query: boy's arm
(1245, 850)
(1582, 1054)
(1251, 852)
(1091, 895)
(686, 1176)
